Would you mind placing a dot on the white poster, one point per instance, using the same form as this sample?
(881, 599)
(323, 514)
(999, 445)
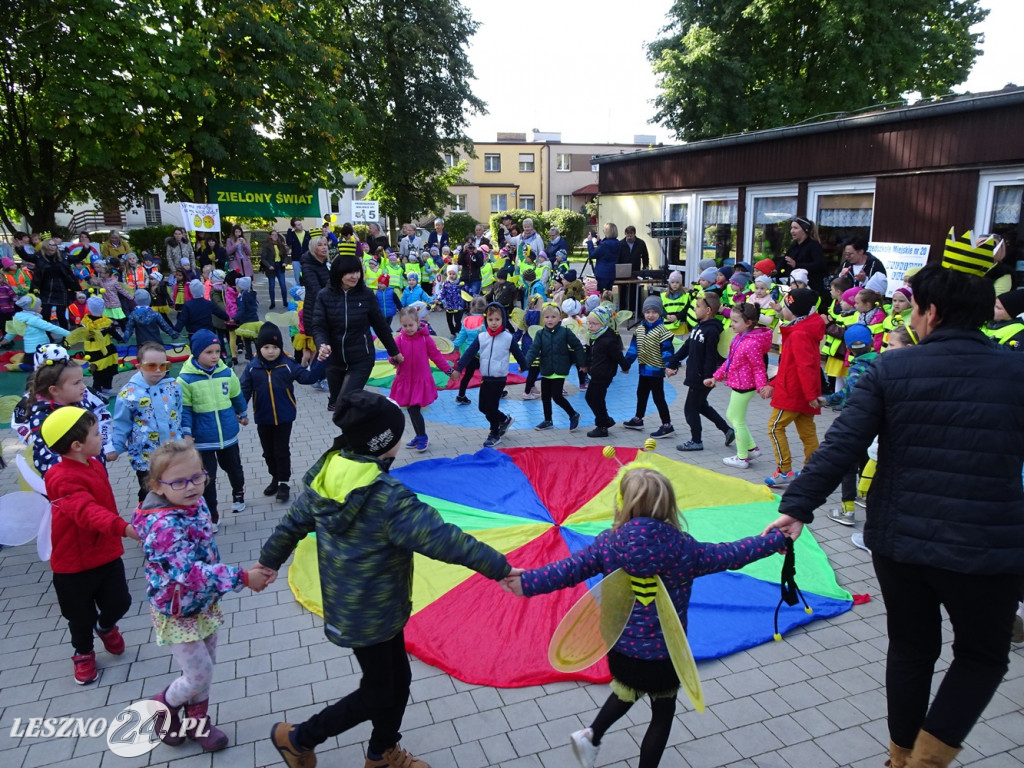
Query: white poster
(201, 217)
(365, 211)
(898, 258)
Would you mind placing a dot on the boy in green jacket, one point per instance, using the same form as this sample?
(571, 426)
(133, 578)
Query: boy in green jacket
(368, 525)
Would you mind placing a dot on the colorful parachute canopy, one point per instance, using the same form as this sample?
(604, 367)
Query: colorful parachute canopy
(538, 505)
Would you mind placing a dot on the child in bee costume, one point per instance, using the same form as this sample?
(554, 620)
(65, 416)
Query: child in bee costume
(147, 411)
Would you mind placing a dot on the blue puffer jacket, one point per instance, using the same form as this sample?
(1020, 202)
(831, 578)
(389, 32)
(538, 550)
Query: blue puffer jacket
(146, 324)
(949, 416)
(271, 387)
(645, 547)
(247, 311)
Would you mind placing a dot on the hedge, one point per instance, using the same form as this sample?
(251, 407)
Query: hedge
(571, 225)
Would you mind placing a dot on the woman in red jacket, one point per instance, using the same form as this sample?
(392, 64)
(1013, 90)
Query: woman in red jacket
(797, 384)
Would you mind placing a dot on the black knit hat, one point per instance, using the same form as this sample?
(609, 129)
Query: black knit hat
(371, 424)
(1012, 301)
(269, 334)
(801, 301)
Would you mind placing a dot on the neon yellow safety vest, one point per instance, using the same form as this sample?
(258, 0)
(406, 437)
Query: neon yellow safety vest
(676, 306)
(370, 276)
(486, 275)
(1004, 334)
(831, 346)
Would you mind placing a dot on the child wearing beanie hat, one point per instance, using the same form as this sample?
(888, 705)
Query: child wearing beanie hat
(100, 351)
(212, 410)
(86, 533)
(1007, 326)
(652, 348)
(36, 329)
(269, 381)
(795, 390)
(675, 301)
(246, 313)
(368, 526)
(604, 358)
(145, 322)
(198, 312)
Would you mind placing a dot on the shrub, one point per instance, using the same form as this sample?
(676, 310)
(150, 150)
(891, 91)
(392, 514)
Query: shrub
(571, 225)
(362, 232)
(540, 221)
(149, 239)
(459, 226)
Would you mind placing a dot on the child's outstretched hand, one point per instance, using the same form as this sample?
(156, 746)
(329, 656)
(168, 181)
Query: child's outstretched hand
(131, 533)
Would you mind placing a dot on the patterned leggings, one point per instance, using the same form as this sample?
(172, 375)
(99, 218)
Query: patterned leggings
(196, 661)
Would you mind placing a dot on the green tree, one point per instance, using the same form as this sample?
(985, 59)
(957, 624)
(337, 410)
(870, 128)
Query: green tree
(252, 90)
(742, 65)
(71, 125)
(414, 92)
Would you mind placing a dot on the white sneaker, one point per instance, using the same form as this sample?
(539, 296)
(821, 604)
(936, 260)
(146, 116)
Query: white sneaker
(753, 453)
(858, 541)
(530, 396)
(736, 461)
(843, 518)
(584, 748)
(238, 506)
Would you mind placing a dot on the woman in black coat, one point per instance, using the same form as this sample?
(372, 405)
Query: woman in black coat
(805, 252)
(54, 281)
(343, 315)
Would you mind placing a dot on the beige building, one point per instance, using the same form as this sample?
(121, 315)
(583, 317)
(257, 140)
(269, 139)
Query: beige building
(535, 175)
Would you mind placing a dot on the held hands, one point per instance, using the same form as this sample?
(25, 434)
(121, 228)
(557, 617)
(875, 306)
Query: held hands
(709, 383)
(131, 533)
(260, 577)
(669, 372)
(112, 456)
(243, 420)
(766, 392)
(513, 583)
(790, 526)
(324, 353)
(818, 402)
(399, 359)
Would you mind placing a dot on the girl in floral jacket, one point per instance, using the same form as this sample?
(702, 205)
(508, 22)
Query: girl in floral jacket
(185, 580)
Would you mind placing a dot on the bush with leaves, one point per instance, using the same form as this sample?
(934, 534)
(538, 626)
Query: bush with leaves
(540, 221)
(149, 239)
(571, 225)
(459, 227)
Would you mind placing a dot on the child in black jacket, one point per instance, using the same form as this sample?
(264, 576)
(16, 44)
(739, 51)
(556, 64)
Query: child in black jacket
(269, 380)
(604, 357)
(557, 348)
(702, 360)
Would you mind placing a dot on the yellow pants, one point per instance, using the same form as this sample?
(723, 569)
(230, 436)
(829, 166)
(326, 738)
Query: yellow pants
(805, 429)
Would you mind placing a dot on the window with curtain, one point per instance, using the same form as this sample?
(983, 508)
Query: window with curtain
(718, 223)
(1006, 205)
(771, 226)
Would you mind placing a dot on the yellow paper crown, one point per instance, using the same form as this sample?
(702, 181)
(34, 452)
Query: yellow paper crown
(59, 422)
(963, 255)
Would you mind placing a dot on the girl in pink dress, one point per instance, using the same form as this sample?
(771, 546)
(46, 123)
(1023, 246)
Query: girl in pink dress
(414, 387)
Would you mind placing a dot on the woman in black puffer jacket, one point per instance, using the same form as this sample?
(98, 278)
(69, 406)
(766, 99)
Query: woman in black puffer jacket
(343, 316)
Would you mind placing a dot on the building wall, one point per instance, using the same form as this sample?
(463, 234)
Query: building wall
(921, 208)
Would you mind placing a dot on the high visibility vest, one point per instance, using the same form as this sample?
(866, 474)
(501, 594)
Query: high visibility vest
(1004, 334)
(370, 276)
(693, 294)
(486, 275)
(135, 278)
(831, 346)
(675, 306)
(891, 322)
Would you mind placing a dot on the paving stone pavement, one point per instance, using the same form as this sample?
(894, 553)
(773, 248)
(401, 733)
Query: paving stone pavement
(815, 700)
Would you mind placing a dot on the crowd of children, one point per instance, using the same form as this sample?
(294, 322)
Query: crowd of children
(176, 431)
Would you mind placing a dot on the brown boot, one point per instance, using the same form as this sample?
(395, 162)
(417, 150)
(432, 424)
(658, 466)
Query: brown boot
(929, 752)
(205, 733)
(396, 757)
(897, 755)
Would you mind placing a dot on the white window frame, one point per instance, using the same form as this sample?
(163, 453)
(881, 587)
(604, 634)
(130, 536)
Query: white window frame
(489, 155)
(558, 162)
(531, 198)
(987, 184)
(450, 160)
(695, 223)
(456, 208)
(564, 198)
(784, 190)
(532, 162)
(499, 195)
(820, 189)
(595, 167)
(687, 199)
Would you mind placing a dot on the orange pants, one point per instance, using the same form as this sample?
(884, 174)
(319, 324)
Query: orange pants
(805, 429)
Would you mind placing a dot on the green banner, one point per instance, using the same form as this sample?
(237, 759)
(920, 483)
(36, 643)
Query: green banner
(254, 199)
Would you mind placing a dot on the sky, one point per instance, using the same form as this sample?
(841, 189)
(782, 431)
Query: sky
(588, 78)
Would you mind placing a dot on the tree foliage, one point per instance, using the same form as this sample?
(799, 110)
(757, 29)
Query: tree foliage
(414, 93)
(741, 65)
(71, 125)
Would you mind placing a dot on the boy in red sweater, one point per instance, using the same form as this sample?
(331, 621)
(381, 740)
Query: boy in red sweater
(797, 384)
(88, 574)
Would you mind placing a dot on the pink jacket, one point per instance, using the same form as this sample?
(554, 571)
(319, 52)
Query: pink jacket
(414, 382)
(743, 369)
(231, 301)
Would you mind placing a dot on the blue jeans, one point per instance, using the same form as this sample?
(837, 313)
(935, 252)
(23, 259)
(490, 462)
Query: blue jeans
(297, 268)
(282, 281)
(474, 287)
